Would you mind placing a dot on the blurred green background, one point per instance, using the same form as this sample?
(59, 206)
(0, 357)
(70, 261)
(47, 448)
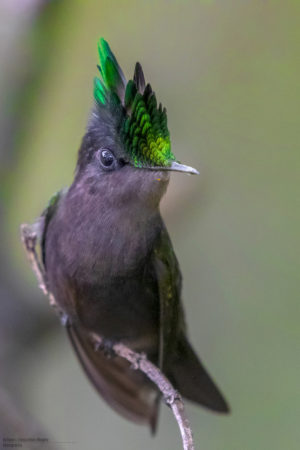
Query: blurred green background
(228, 72)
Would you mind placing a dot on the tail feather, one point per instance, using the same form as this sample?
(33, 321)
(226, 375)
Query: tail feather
(192, 381)
(127, 391)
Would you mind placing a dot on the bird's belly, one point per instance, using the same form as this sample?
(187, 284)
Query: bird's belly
(104, 280)
(125, 309)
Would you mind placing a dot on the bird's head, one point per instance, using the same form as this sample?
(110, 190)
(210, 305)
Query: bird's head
(127, 132)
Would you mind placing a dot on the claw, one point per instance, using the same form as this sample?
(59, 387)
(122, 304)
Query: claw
(64, 319)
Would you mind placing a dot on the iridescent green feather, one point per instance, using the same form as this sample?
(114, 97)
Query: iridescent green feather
(113, 81)
(144, 131)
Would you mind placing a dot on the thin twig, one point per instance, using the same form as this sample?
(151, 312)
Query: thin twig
(171, 395)
(138, 361)
(29, 238)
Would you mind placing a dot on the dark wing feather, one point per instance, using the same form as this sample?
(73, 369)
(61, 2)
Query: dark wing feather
(169, 285)
(179, 361)
(127, 391)
(46, 216)
(192, 380)
(139, 78)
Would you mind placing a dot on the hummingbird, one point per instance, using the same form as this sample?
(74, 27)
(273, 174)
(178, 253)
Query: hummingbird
(107, 254)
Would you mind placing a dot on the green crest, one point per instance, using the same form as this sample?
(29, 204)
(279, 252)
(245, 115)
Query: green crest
(144, 129)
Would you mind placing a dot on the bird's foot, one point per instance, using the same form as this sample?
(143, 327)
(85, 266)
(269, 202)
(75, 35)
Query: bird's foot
(62, 315)
(172, 397)
(136, 364)
(64, 319)
(107, 347)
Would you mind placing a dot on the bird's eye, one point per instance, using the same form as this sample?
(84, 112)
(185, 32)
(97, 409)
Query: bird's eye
(107, 158)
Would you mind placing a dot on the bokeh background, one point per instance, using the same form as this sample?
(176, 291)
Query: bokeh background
(228, 72)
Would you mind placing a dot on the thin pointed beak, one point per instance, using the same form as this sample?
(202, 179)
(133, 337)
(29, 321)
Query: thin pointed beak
(176, 167)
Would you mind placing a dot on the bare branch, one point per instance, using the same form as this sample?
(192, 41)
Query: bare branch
(29, 238)
(138, 361)
(171, 395)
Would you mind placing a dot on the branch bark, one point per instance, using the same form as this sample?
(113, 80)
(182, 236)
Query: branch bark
(138, 361)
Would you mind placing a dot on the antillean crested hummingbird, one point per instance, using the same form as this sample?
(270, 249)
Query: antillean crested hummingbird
(107, 254)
